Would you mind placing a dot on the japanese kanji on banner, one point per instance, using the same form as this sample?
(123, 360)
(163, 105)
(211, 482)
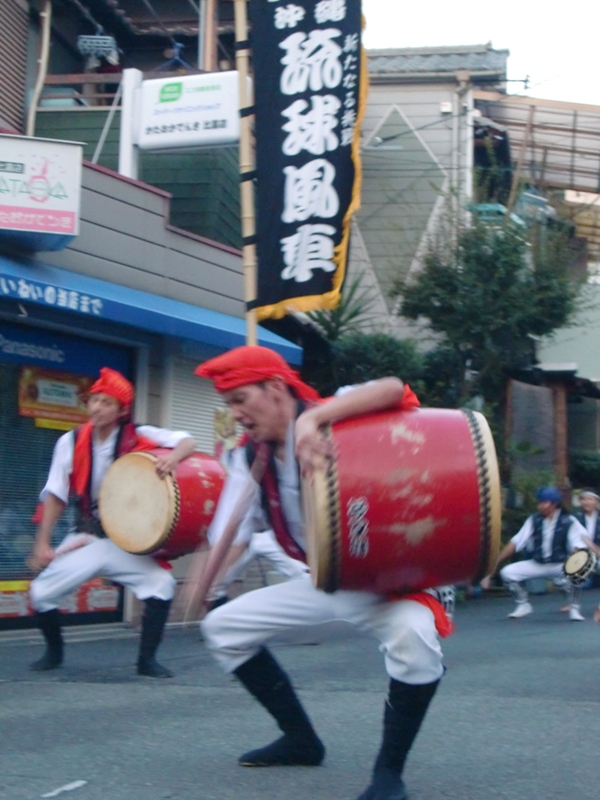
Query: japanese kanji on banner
(310, 85)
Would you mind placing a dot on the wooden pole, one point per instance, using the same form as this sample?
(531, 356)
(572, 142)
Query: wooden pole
(242, 59)
(561, 461)
(202, 572)
(210, 36)
(46, 17)
(519, 168)
(201, 33)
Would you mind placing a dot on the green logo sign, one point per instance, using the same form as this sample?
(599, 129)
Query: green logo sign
(170, 92)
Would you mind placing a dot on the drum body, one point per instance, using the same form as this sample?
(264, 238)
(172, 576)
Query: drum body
(579, 566)
(412, 500)
(166, 517)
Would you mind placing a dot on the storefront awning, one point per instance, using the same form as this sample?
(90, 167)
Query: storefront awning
(60, 289)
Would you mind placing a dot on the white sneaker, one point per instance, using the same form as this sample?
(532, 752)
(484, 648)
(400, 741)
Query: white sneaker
(522, 610)
(575, 614)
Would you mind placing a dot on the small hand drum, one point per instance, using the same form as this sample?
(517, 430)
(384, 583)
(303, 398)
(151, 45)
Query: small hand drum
(579, 566)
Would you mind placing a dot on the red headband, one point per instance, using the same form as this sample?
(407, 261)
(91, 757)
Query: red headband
(115, 385)
(252, 364)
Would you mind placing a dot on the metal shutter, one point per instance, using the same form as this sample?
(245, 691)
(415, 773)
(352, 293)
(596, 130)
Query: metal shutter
(25, 455)
(193, 403)
(14, 25)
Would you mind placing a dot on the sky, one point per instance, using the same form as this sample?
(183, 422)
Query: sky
(557, 46)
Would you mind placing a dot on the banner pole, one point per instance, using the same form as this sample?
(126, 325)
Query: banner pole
(246, 160)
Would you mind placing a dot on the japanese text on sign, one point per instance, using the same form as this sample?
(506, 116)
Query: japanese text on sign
(49, 295)
(307, 72)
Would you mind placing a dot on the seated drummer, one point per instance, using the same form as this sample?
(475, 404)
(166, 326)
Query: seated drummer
(80, 461)
(278, 409)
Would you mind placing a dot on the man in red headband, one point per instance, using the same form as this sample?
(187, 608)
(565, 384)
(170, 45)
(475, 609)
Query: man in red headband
(276, 407)
(80, 461)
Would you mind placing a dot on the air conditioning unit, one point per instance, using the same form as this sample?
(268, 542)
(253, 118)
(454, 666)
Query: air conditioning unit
(96, 45)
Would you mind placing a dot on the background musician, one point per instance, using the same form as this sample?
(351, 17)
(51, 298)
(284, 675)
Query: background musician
(79, 463)
(590, 518)
(548, 537)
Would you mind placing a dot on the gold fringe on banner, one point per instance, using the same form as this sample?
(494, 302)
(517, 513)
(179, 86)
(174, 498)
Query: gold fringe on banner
(332, 298)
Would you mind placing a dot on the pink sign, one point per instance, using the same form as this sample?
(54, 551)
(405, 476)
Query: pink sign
(40, 185)
(24, 219)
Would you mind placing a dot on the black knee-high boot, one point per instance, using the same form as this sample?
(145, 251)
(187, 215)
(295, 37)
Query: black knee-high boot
(300, 745)
(404, 712)
(153, 624)
(49, 623)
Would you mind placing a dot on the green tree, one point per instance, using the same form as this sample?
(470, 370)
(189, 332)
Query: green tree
(443, 374)
(489, 295)
(359, 357)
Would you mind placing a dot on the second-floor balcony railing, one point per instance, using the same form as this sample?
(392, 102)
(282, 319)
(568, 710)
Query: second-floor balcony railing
(86, 90)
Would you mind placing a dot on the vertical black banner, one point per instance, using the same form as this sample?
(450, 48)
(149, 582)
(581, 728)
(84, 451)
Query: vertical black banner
(309, 87)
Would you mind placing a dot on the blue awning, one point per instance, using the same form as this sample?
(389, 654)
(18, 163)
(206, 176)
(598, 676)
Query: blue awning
(56, 288)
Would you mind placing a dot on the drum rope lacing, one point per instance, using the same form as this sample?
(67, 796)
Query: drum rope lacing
(177, 503)
(485, 492)
(334, 514)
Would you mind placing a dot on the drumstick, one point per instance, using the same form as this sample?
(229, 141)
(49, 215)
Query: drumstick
(205, 575)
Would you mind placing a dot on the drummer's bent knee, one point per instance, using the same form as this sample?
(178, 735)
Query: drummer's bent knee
(411, 645)
(163, 585)
(40, 596)
(214, 627)
(511, 573)
(35, 593)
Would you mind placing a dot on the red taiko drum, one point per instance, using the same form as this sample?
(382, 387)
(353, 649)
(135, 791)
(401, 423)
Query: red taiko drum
(167, 517)
(411, 500)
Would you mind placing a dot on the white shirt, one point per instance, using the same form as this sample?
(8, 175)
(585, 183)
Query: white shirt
(288, 479)
(102, 457)
(574, 540)
(590, 524)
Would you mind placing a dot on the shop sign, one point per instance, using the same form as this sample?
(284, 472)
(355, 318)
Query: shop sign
(22, 344)
(93, 595)
(190, 111)
(48, 295)
(40, 185)
(53, 395)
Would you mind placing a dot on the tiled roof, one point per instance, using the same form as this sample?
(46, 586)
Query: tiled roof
(415, 60)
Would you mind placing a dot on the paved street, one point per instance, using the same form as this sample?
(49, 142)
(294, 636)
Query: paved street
(517, 716)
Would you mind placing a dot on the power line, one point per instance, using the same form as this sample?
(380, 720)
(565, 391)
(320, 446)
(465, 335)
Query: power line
(87, 15)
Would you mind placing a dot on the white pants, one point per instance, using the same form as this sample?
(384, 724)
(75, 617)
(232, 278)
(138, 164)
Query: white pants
(405, 629)
(523, 570)
(141, 574)
(262, 544)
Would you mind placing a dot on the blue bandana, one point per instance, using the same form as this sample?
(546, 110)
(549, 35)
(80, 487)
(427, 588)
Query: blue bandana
(549, 494)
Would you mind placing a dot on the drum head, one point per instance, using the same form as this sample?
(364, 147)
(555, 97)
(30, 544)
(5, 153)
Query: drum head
(137, 508)
(490, 498)
(577, 562)
(320, 499)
